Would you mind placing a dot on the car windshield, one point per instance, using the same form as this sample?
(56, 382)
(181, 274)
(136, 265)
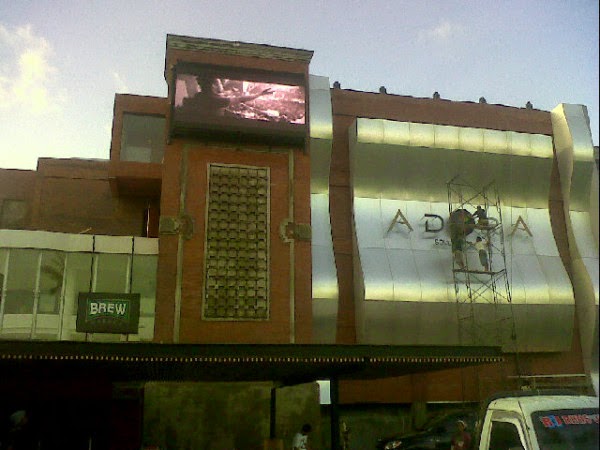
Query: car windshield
(448, 422)
(435, 423)
(567, 429)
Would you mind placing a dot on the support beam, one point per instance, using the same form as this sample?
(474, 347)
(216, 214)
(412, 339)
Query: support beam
(273, 414)
(335, 414)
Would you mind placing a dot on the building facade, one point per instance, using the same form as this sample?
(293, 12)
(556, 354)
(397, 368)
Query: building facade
(255, 204)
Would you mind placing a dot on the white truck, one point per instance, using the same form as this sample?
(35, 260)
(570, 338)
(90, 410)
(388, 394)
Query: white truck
(534, 420)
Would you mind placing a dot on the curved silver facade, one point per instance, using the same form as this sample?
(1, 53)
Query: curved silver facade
(405, 269)
(579, 181)
(324, 275)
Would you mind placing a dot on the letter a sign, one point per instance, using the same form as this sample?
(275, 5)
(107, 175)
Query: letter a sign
(520, 225)
(399, 218)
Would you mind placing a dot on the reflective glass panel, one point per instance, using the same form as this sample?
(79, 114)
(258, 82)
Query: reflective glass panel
(3, 256)
(51, 282)
(20, 284)
(111, 275)
(144, 282)
(143, 138)
(77, 279)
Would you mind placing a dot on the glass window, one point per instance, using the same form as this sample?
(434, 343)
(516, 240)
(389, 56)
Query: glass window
(3, 256)
(572, 428)
(48, 277)
(77, 279)
(504, 435)
(20, 284)
(51, 282)
(143, 138)
(144, 282)
(112, 274)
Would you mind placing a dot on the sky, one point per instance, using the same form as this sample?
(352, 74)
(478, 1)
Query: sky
(62, 62)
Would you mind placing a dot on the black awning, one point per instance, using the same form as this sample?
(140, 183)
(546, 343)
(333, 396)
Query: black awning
(283, 363)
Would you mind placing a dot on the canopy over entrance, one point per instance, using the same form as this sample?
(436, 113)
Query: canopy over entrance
(286, 364)
(31, 366)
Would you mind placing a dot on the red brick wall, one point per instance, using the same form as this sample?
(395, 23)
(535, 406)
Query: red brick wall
(18, 185)
(442, 112)
(60, 204)
(193, 328)
(133, 178)
(73, 195)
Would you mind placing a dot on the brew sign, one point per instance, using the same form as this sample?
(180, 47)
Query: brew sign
(102, 312)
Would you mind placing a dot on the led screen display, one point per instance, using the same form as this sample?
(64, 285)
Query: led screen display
(208, 99)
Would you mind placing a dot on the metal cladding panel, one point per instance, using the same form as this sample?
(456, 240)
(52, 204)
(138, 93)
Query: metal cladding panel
(403, 254)
(586, 244)
(324, 320)
(534, 281)
(377, 275)
(408, 323)
(319, 218)
(560, 290)
(324, 282)
(431, 268)
(539, 327)
(320, 160)
(324, 275)
(579, 183)
(370, 226)
(398, 323)
(591, 267)
(405, 276)
(321, 133)
(386, 153)
(543, 238)
(321, 122)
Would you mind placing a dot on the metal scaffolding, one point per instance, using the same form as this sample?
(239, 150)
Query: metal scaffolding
(483, 296)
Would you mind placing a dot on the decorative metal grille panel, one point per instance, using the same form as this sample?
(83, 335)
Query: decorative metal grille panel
(237, 243)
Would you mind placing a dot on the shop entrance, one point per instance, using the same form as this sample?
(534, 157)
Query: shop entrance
(70, 413)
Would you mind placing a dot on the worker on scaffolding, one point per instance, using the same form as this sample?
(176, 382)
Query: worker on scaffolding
(458, 245)
(482, 218)
(462, 224)
(481, 245)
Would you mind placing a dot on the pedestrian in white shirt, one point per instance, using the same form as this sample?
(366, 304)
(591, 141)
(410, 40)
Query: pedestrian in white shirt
(300, 441)
(481, 245)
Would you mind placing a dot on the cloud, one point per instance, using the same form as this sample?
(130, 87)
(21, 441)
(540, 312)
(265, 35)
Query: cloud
(27, 76)
(442, 32)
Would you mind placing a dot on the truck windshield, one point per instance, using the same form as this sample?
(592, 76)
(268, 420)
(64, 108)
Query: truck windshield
(566, 429)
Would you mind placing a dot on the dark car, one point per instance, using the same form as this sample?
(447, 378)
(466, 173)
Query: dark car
(437, 433)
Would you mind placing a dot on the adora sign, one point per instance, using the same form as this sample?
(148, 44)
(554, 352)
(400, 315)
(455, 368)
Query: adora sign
(435, 224)
(103, 312)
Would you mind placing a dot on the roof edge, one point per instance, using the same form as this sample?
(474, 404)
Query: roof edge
(237, 48)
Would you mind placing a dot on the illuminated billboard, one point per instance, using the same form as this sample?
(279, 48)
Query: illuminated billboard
(207, 100)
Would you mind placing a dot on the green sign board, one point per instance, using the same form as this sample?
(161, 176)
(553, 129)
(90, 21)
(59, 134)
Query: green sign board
(105, 312)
